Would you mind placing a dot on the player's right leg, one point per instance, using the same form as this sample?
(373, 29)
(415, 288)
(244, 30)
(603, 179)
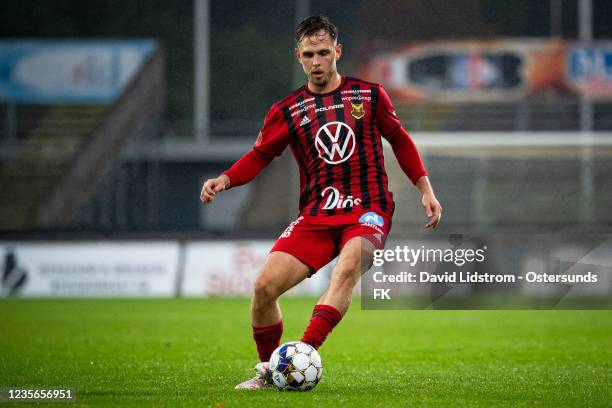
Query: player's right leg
(301, 250)
(280, 273)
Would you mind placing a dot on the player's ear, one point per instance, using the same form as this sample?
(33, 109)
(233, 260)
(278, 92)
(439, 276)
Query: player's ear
(297, 53)
(338, 51)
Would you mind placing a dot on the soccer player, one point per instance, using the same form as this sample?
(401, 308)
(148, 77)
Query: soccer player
(334, 126)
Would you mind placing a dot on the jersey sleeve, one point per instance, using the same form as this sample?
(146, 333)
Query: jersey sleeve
(403, 147)
(273, 138)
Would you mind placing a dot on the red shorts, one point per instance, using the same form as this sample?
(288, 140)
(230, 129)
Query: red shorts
(317, 240)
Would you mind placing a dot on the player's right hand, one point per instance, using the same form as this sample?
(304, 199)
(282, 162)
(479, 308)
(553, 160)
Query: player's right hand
(213, 186)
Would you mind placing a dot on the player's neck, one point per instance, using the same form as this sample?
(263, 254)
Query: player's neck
(332, 85)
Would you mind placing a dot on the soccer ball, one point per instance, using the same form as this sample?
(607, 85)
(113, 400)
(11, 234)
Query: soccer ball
(295, 366)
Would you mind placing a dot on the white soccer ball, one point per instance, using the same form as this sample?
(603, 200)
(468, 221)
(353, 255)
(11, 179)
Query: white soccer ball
(295, 366)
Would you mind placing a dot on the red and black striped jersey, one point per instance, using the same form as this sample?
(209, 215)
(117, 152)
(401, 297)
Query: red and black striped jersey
(336, 141)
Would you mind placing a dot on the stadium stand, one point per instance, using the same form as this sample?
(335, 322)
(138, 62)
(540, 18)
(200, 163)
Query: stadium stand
(56, 155)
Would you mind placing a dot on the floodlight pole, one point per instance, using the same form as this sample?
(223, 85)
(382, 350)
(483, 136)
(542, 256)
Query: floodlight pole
(585, 13)
(585, 24)
(586, 20)
(201, 40)
(302, 10)
(556, 27)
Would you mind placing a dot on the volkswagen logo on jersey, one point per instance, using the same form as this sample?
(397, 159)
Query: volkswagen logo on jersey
(335, 142)
(372, 218)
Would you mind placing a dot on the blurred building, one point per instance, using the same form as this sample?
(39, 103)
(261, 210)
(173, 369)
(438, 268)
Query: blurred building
(113, 113)
(497, 98)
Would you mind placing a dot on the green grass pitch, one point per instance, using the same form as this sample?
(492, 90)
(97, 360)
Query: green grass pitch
(180, 352)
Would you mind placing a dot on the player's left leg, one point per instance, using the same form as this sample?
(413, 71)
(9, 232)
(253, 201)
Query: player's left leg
(355, 258)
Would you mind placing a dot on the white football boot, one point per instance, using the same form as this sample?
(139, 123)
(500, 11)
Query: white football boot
(262, 379)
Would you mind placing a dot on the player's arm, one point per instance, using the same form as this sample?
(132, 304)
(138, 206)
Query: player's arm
(272, 140)
(407, 156)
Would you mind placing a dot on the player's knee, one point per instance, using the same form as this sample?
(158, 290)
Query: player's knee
(263, 290)
(347, 270)
(350, 265)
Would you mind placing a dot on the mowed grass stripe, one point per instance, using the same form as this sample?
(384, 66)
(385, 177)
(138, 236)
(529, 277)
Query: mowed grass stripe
(191, 352)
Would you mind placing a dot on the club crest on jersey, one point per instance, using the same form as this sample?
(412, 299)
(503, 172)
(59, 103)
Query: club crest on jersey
(357, 110)
(335, 142)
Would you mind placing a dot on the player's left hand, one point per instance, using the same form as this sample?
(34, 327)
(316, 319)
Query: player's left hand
(433, 209)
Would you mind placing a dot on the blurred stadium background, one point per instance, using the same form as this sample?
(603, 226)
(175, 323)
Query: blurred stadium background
(113, 113)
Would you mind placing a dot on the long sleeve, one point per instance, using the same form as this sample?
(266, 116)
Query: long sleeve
(272, 140)
(247, 168)
(403, 147)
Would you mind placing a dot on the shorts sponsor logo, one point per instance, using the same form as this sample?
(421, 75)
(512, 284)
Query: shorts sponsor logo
(372, 218)
(289, 229)
(373, 226)
(335, 142)
(337, 200)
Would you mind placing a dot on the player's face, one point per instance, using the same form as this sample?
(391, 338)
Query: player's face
(318, 55)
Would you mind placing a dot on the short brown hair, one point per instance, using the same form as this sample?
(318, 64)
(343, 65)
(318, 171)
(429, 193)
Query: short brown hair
(314, 24)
